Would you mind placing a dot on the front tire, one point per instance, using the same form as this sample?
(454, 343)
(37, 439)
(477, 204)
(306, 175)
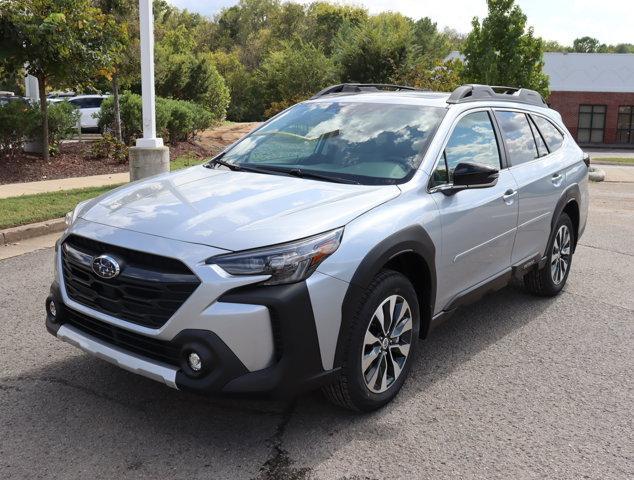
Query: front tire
(551, 278)
(382, 341)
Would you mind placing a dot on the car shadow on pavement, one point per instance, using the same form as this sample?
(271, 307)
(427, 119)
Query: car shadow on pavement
(84, 407)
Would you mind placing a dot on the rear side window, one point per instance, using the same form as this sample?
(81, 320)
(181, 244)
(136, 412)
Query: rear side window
(518, 136)
(539, 141)
(473, 140)
(551, 134)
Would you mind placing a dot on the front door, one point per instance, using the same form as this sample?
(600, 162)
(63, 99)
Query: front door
(478, 225)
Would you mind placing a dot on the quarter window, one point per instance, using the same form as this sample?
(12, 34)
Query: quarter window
(551, 134)
(473, 140)
(542, 151)
(518, 137)
(591, 123)
(625, 125)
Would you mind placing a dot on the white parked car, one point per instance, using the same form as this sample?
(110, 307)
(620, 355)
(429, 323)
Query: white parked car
(89, 106)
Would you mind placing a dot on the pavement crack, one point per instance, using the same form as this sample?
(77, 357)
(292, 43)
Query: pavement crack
(67, 383)
(607, 250)
(279, 465)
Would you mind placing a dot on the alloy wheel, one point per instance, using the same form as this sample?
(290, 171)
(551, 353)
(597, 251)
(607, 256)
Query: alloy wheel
(560, 256)
(387, 344)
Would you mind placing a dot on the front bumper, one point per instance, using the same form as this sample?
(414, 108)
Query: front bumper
(297, 366)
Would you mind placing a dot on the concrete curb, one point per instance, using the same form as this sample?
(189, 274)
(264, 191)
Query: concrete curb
(596, 174)
(16, 234)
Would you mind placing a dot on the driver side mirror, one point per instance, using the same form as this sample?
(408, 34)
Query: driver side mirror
(469, 175)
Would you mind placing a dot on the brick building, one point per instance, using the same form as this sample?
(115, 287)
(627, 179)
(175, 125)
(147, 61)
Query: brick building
(594, 92)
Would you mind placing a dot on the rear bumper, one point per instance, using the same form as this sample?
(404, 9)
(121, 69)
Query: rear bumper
(297, 366)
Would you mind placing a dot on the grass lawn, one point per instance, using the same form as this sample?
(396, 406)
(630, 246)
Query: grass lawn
(26, 209)
(185, 161)
(612, 160)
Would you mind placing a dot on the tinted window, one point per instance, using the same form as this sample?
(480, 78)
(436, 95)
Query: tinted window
(551, 134)
(365, 142)
(541, 146)
(518, 137)
(473, 140)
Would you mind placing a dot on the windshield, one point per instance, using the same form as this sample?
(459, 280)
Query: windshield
(366, 143)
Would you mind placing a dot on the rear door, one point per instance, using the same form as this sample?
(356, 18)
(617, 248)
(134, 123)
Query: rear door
(478, 225)
(540, 175)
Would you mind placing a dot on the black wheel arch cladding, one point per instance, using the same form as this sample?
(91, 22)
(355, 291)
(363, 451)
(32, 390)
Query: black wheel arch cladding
(570, 195)
(411, 240)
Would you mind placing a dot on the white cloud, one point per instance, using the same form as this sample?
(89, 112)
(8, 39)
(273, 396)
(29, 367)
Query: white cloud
(563, 20)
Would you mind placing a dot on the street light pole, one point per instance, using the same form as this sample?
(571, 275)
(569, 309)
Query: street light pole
(149, 156)
(146, 18)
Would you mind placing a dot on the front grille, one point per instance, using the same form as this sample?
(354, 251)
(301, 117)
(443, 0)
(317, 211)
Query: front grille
(129, 341)
(148, 291)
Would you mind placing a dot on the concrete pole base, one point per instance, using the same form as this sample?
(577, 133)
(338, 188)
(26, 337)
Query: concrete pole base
(145, 162)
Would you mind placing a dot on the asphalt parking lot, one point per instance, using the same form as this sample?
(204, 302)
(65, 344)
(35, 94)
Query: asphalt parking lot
(513, 387)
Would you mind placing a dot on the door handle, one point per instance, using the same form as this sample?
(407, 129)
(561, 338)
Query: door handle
(556, 179)
(509, 196)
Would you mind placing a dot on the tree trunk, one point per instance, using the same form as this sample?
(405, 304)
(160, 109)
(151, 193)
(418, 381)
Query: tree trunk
(117, 109)
(41, 81)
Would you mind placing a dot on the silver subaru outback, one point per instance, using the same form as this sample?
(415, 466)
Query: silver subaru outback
(316, 251)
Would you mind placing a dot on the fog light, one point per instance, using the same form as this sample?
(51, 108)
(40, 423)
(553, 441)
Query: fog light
(52, 309)
(195, 362)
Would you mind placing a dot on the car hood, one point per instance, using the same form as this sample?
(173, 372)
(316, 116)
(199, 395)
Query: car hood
(233, 210)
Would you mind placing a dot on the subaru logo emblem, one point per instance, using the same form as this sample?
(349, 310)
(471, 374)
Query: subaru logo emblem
(105, 266)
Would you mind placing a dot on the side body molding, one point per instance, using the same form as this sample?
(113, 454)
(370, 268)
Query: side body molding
(413, 239)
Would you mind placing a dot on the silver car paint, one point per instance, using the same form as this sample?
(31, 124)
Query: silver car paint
(234, 210)
(182, 215)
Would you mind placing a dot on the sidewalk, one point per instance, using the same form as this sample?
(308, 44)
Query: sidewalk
(17, 189)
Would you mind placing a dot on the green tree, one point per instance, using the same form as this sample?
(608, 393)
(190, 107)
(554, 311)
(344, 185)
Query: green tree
(324, 20)
(376, 50)
(502, 51)
(62, 42)
(293, 73)
(588, 45)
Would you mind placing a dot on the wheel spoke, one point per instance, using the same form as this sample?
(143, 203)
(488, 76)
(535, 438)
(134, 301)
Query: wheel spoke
(383, 364)
(371, 382)
(369, 358)
(404, 349)
(396, 367)
(405, 325)
(370, 339)
(379, 315)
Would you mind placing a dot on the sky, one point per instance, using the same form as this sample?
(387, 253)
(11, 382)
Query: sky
(610, 21)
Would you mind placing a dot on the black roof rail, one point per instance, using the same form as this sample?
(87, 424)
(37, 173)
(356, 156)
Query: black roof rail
(474, 93)
(361, 88)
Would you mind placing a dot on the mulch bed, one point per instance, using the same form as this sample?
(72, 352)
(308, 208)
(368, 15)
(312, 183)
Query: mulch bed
(75, 160)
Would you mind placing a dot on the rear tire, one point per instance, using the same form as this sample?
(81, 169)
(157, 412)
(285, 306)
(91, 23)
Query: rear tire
(551, 278)
(382, 341)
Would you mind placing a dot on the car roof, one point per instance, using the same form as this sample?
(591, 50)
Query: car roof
(425, 98)
(432, 99)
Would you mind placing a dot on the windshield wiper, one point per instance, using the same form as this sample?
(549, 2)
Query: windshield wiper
(219, 161)
(298, 172)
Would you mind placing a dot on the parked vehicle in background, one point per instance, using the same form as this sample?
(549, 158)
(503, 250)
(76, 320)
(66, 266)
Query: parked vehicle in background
(318, 249)
(6, 97)
(89, 106)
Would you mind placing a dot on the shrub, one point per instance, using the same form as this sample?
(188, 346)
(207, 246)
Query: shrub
(176, 120)
(18, 121)
(63, 121)
(108, 147)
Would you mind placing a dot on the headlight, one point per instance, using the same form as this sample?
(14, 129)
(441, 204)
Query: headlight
(72, 215)
(286, 263)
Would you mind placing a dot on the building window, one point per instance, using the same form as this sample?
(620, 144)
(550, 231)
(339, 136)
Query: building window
(625, 124)
(591, 123)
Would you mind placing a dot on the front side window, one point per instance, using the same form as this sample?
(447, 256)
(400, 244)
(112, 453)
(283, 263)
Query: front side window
(625, 124)
(473, 140)
(518, 136)
(551, 134)
(591, 123)
(364, 142)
